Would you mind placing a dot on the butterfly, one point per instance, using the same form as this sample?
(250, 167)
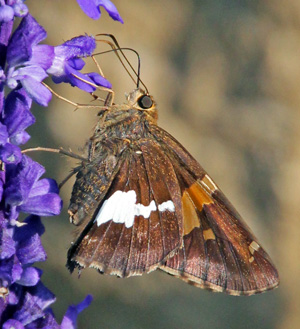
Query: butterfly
(142, 203)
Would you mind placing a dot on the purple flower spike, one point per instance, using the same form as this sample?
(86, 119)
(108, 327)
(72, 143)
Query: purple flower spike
(24, 64)
(70, 319)
(91, 8)
(66, 64)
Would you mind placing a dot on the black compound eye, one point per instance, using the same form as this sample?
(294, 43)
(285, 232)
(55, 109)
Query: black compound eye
(145, 102)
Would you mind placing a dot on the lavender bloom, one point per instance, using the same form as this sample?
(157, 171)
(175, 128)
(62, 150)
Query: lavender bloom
(91, 8)
(67, 64)
(24, 64)
(27, 61)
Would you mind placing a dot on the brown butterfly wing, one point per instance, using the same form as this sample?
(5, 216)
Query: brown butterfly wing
(113, 248)
(219, 251)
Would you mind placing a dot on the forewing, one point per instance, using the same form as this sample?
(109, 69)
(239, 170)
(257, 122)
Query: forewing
(139, 221)
(219, 251)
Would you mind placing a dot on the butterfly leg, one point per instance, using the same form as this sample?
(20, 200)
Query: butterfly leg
(60, 150)
(77, 105)
(71, 174)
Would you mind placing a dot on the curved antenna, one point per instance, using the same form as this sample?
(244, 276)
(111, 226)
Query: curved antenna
(126, 59)
(115, 50)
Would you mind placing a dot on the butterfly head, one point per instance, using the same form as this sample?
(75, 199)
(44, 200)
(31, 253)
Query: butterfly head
(142, 101)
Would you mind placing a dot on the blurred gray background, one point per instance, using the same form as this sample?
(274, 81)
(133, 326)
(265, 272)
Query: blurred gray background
(226, 77)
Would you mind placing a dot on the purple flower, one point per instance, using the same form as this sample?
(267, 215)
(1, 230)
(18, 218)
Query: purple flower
(27, 61)
(15, 118)
(12, 8)
(24, 192)
(67, 64)
(91, 8)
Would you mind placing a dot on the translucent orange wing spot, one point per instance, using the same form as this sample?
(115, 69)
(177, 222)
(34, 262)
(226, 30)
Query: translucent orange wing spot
(193, 198)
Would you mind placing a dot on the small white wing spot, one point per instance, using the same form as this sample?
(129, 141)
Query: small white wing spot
(208, 183)
(254, 246)
(167, 205)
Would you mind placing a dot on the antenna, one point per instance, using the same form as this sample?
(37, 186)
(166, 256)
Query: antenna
(116, 47)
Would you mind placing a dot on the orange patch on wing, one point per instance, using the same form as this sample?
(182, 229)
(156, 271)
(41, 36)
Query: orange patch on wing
(193, 198)
(199, 195)
(209, 235)
(190, 217)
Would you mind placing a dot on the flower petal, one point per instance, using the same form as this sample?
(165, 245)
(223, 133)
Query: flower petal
(36, 300)
(17, 270)
(70, 76)
(42, 56)
(111, 9)
(76, 63)
(44, 186)
(17, 116)
(3, 134)
(20, 9)
(28, 34)
(21, 138)
(39, 93)
(80, 46)
(7, 244)
(33, 226)
(43, 205)
(10, 153)
(33, 71)
(89, 8)
(5, 31)
(6, 268)
(13, 324)
(21, 179)
(99, 80)
(31, 250)
(43, 296)
(30, 276)
(69, 320)
(6, 14)
(46, 322)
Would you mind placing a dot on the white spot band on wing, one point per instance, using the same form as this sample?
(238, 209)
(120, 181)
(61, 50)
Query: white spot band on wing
(168, 205)
(121, 207)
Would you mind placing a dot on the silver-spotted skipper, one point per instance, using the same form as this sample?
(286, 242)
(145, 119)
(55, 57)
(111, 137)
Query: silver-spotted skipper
(142, 202)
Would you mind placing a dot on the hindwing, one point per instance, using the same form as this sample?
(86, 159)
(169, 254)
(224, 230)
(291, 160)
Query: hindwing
(219, 251)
